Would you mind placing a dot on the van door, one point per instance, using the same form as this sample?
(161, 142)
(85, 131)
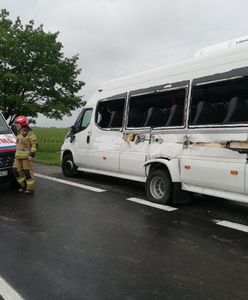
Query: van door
(81, 137)
(106, 138)
(133, 153)
(104, 150)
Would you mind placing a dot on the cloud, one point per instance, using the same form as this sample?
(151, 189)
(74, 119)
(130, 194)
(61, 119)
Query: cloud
(119, 37)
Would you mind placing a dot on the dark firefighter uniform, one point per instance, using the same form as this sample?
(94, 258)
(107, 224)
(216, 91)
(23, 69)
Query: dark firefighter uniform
(26, 145)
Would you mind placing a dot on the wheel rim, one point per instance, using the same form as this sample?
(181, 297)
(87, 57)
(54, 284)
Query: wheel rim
(68, 166)
(157, 187)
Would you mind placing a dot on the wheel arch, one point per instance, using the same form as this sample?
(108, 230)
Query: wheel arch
(67, 152)
(171, 165)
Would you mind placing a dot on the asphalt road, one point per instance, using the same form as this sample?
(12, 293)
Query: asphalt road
(67, 242)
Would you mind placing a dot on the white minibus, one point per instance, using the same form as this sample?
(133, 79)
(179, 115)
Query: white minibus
(179, 128)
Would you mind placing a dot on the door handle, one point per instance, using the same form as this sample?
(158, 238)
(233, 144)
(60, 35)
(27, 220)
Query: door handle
(88, 139)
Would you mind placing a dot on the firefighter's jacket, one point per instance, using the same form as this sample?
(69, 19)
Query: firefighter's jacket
(26, 143)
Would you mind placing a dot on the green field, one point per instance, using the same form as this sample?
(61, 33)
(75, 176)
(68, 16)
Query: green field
(49, 141)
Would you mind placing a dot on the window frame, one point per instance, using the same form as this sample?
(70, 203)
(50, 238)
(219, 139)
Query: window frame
(80, 118)
(220, 77)
(166, 87)
(117, 97)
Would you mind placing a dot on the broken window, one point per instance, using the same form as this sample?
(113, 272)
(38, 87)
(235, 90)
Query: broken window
(220, 103)
(109, 113)
(157, 109)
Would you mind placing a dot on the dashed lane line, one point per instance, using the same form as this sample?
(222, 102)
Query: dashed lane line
(87, 187)
(155, 205)
(232, 225)
(7, 292)
(81, 186)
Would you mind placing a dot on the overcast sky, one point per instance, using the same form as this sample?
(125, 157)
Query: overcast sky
(119, 37)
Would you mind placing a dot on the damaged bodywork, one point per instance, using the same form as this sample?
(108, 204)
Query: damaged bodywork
(179, 128)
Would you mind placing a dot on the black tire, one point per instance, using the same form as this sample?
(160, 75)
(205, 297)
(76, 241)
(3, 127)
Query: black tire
(159, 186)
(68, 167)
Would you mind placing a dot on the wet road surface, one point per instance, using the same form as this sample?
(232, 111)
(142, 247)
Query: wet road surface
(65, 242)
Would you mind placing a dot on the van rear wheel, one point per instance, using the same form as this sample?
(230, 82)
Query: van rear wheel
(159, 186)
(68, 167)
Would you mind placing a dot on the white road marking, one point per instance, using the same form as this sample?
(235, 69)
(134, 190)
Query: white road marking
(81, 186)
(232, 225)
(159, 206)
(7, 292)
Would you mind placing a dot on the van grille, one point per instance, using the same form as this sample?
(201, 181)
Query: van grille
(6, 160)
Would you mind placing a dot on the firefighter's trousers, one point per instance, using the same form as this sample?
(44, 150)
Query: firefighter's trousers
(23, 171)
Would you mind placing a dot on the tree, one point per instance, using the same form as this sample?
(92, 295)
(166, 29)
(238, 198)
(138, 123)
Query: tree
(35, 77)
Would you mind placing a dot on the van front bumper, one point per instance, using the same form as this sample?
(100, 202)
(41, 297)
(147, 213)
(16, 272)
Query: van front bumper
(6, 175)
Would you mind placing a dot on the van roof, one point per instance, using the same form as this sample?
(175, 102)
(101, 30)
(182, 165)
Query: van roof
(209, 60)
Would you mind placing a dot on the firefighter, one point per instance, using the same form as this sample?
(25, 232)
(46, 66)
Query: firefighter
(26, 146)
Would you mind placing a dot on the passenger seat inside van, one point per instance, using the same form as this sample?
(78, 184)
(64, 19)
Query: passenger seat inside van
(104, 119)
(136, 118)
(236, 111)
(166, 114)
(204, 113)
(154, 117)
(115, 119)
(176, 116)
(220, 111)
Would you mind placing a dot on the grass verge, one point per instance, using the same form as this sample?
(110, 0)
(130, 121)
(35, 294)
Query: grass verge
(49, 158)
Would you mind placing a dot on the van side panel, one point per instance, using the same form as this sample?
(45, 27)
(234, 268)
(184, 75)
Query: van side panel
(104, 151)
(220, 171)
(133, 154)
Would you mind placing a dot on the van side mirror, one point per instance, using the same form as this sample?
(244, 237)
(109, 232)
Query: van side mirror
(73, 129)
(72, 138)
(72, 133)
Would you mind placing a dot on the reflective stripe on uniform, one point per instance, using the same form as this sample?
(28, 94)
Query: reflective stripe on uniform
(22, 152)
(21, 155)
(21, 181)
(30, 184)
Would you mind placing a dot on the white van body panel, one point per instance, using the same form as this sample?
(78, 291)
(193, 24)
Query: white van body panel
(246, 179)
(133, 155)
(215, 193)
(81, 148)
(114, 174)
(105, 150)
(208, 167)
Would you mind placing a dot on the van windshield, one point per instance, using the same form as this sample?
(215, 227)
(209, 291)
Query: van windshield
(3, 126)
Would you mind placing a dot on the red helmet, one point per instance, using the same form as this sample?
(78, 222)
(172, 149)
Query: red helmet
(21, 120)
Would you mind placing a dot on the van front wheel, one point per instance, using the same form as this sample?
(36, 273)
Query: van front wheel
(159, 187)
(68, 167)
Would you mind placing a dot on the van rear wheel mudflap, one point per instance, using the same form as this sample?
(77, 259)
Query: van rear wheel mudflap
(180, 196)
(160, 188)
